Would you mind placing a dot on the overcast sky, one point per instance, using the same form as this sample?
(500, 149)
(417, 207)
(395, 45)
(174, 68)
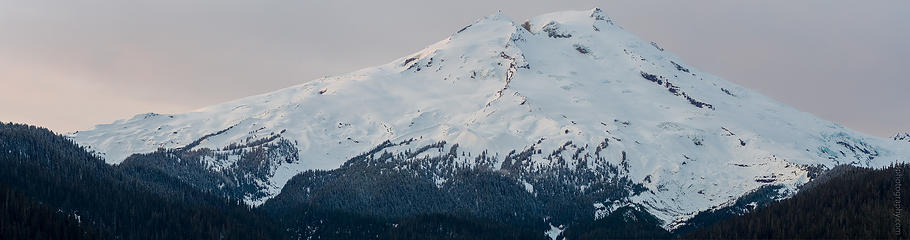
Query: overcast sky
(68, 65)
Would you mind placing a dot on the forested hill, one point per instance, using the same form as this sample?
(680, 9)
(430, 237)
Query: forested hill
(50, 188)
(854, 203)
(54, 189)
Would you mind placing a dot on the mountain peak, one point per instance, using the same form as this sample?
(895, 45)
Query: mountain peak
(580, 18)
(497, 19)
(565, 89)
(599, 15)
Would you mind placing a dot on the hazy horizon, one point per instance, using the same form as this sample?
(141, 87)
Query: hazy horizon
(68, 66)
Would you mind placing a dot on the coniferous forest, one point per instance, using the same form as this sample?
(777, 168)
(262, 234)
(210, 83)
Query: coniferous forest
(856, 203)
(50, 188)
(63, 191)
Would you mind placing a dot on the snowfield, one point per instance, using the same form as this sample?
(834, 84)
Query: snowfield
(696, 141)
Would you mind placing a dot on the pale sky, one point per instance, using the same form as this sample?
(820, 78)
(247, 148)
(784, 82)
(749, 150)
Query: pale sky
(68, 65)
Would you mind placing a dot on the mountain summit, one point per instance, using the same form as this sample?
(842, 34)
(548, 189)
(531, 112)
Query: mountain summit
(568, 90)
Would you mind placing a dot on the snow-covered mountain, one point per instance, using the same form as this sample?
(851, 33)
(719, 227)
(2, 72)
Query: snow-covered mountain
(572, 86)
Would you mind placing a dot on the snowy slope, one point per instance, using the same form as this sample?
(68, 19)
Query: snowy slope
(695, 141)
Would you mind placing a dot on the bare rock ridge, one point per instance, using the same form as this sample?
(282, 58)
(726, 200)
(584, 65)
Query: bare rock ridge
(905, 137)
